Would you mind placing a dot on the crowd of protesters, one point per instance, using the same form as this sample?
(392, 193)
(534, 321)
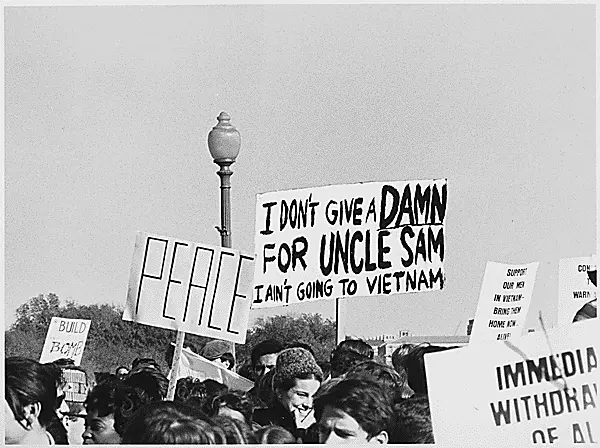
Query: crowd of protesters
(356, 399)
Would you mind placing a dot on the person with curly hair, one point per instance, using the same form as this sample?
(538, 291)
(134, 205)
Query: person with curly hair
(109, 406)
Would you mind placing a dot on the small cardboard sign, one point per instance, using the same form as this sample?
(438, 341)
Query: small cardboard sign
(76, 387)
(366, 239)
(536, 389)
(575, 288)
(190, 287)
(65, 339)
(503, 301)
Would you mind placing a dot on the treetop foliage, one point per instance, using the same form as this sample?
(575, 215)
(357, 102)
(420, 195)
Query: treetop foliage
(113, 342)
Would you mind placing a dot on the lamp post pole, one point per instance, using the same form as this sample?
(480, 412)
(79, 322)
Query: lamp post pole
(224, 144)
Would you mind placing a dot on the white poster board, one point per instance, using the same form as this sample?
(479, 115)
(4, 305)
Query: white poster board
(504, 301)
(65, 339)
(190, 287)
(367, 239)
(574, 287)
(534, 389)
(196, 366)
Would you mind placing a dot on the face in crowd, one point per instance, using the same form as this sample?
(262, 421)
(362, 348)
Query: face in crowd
(298, 400)
(354, 411)
(100, 430)
(264, 365)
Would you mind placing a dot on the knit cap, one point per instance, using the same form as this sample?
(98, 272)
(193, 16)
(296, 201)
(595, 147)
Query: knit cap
(215, 349)
(293, 363)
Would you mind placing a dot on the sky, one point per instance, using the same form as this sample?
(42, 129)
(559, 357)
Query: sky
(107, 111)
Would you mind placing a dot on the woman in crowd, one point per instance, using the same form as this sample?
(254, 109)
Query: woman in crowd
(297, 378)
(274, 435)
(109, 406)
(30, 399)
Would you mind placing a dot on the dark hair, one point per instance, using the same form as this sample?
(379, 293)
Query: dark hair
(343, 360)
(236, 401)
(113, 396)
(228, 357)
(214, 390)
(171, 422)
(274, 435)
(414, 420)
(190, 387)
(267, 347)
(28, 382)
(145, 362)
(236, 432)
(266, 392)
(149, 383)
(363, 400)
(414, 364)
(383, 375)
(357, 346)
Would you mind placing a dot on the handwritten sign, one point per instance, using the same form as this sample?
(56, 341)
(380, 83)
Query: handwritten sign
(196, 366)
(575, 288)
(529, 390)
(190, 287)
(65, 339)
(503, 301)
(367, 239)
(76, 387)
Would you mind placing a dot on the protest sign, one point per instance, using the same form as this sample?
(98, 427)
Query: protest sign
(365, 239)
(196, 366)
(539, 388)
(65, 339)
(575, 288)
(190, 287)
(504, 301)
(76, 387)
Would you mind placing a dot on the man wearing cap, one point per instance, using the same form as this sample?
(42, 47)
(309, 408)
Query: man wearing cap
(219, 351)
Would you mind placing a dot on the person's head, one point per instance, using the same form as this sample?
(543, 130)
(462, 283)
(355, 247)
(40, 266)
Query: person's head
(109, 406)
(236, 432)
(343, 360)
(297, 378)
(30, 399)
(413, 420)
(383, 375)
(189, 387)
(264, 357)
(414, 364)
(235, 405)
(219, 352)
(150, 384)
(303, 345)
(357, 346)
(214, 390)
(121, 372)
(354, 411)
(148, 363)
(274, 435)
(170, 422)
(266, 393)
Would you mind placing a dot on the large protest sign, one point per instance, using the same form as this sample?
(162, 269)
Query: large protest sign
(575, 288)
(504, 301)
(534, 389)
(65, 339)
(190, 287)
(366, 239)
(196, 366)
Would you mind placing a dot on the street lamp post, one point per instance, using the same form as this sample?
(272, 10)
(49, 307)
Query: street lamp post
(224, 143)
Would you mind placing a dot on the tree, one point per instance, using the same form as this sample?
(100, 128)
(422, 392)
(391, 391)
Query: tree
(310, 329)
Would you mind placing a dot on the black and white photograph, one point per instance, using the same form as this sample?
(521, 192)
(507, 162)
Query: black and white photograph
(302, 223)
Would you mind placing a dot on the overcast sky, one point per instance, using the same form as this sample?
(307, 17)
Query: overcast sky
(107, 110)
